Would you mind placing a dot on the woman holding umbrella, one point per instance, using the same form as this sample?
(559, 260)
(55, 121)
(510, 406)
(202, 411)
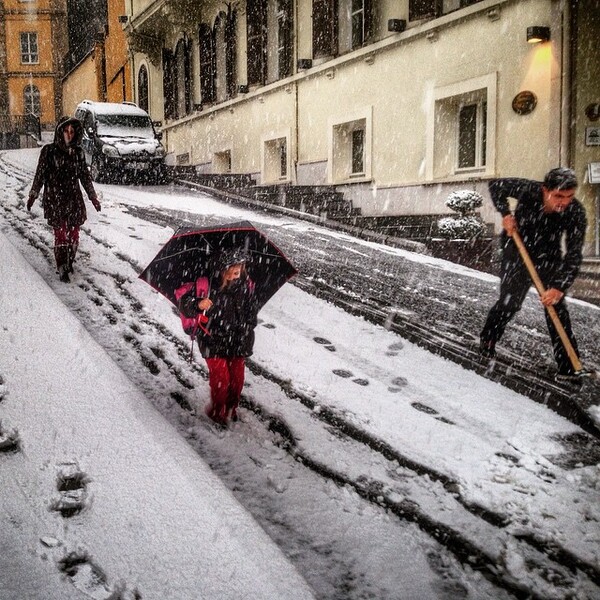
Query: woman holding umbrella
(226, 337)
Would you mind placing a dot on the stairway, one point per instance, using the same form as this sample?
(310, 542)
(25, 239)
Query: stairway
(587, 284)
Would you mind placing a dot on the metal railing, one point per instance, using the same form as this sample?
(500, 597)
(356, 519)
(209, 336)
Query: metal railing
(28, 124)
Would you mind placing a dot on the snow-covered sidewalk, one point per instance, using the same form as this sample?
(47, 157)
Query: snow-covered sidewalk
(102, 495)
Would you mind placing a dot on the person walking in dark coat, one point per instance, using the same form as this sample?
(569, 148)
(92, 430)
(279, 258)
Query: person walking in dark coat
(546, 213)
(226, 338)
(60, 168)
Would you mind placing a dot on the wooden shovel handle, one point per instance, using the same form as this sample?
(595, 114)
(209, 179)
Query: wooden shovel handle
(539, 286)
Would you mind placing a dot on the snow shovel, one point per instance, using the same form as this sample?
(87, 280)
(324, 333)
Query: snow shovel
(539, 286)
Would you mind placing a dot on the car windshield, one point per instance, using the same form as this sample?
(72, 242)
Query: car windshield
(122, 125)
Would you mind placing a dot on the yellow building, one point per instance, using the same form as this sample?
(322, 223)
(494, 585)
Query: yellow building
(33, 35)
(101, 72)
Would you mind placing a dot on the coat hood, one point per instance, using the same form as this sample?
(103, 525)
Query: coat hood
(59, 140)
(227, 258)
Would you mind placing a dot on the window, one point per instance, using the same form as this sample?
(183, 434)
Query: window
(461, 129)
(362, 22)
(283, 161)
(275, 159)
(256, 16)
(358, 151)
(325, 28)
(31, 100)
(182, 78)
(207, 64)
(222, 162)
(143, 98)
(284, 38)
(29, 48)
(428, 9)
(349, 156)
(231, 52)
(471, 135)
(169, 84)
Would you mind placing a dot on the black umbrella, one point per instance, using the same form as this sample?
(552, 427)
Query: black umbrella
(192, 252)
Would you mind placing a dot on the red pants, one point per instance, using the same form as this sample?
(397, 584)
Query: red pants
(226, 380)
(66, 236)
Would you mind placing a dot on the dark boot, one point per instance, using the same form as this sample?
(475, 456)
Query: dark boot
(72, 254)
(61, 254)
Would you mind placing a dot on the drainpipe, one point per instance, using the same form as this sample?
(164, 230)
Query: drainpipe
(296, 107)
(566, 85)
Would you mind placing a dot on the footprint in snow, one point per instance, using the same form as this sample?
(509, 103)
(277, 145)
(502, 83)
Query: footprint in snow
(9, 439)
(325, 343)
(342, 373)
(424, 408)
(393, 349)
(347, 374)
(431, 411)
(71, 484)
(89, 578)
(268, 325)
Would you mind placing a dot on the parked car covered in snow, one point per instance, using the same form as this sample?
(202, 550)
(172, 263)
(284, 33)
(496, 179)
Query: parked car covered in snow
(120, 142)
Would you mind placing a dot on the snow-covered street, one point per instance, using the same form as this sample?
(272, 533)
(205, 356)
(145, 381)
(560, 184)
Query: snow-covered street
(376, 469)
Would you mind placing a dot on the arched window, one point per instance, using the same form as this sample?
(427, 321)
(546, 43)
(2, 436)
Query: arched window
(31, 100)
(207, 64)
(181, 77)
(231, 53)
(143, 97)
(221, 57)
(170, 84)
(183, 81)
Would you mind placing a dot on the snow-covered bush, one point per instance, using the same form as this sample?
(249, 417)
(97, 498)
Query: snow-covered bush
(460, 228)
(466, 225)
(464, 202)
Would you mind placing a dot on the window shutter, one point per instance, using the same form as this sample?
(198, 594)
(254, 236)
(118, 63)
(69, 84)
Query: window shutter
(325, 28)
(285, 23)
(369, 21)
(207, 64)
(187, 67)
(424, 9)
(230, 53)
(169, 80)
(256, 15)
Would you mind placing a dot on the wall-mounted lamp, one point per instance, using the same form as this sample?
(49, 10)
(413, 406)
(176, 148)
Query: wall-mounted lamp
(243, 89)
(304, 63)
(396, 25)
(536, 34)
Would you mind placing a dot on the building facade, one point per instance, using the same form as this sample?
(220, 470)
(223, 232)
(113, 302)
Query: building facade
(32, 46)
(97, 64)
(394, 102)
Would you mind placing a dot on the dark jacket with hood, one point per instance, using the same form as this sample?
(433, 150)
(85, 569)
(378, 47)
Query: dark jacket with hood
(542, 232)
(59, 171)
(231, 319)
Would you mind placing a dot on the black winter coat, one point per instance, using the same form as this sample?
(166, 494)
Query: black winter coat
(542, 233)
(231, 320)
(59, 171)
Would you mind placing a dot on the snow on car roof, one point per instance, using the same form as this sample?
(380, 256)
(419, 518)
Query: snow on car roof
(114, 108)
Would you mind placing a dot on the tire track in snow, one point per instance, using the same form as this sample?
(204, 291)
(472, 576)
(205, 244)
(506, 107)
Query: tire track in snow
(370, 489)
